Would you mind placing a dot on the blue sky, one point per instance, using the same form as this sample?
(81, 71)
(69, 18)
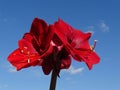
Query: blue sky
(101, 17)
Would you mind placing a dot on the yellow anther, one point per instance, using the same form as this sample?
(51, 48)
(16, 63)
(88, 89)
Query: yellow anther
(91, 47)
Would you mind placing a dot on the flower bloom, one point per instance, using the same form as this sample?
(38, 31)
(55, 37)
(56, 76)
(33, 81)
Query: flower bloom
(36, 48)
(52, 46)
(76, 43)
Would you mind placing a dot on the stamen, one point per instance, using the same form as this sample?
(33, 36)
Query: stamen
(95, 41)
(28, 60)
(28, 52)
(93, 47)
(25, 47)
(38, 42)
(22, 51)
(39, 59)
(53, 44)
(60, 47)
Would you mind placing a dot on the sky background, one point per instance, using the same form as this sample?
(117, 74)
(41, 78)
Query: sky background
(101, 17)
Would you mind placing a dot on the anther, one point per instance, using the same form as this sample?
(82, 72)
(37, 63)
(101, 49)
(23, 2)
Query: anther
(25, 47)
(39, 59)
(28, 60)
(53, 44)
(93, 47)
(22, 51)
(95, 41)
(28, 52)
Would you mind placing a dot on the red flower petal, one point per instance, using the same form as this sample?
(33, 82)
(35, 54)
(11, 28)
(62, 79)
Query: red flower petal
(51, 47)
(92, 59)
(25, 56)
(42, 33)
(66, 62)
(34, 47)
(76, 43)
(20, 60)
(46, 66)
(26, 46)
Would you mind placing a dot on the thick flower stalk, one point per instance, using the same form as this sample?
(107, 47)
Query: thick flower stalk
(52, 47)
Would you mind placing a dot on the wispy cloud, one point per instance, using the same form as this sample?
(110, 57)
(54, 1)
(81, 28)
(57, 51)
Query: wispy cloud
(103, 26)
(11, 69)
(73, 70)
(100, 25)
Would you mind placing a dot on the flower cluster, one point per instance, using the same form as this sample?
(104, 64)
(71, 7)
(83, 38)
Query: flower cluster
(52, 47)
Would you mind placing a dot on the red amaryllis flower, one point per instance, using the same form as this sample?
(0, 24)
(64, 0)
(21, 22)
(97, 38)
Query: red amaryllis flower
(37, 48)
(34, 46)
(75, 42)
(51, 46)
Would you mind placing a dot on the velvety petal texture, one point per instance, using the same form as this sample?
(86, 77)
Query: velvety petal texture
(52, 47)
(25, 56)
(76, 43)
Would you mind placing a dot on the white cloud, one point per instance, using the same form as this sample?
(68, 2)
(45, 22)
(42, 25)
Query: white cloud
(103, 26)
(73, 70)
(11, 69)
